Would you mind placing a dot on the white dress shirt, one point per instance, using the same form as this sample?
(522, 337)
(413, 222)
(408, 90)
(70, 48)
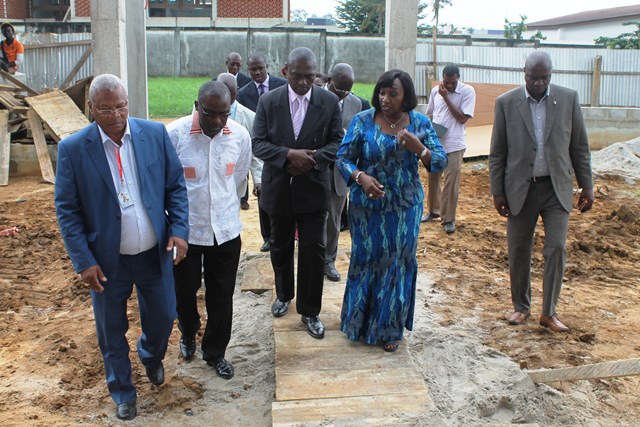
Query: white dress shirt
(214, 168)
(136, 231)
(464, 97)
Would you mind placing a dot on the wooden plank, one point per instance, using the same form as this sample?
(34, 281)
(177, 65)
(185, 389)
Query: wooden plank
(78, 92)
(346, 382)
(595, 81)
(394, 410)
(5, 147)
(59, 112)
(9, 88)
(330, 316)
(41, 147)
(17, 82)
(77, 67)
(619, 368)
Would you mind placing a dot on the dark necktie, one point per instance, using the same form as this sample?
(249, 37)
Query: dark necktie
(261, 89)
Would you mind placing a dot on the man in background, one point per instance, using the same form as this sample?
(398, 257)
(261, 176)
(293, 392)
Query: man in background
(451, 104)
(340, 83)
(12, 50)
(244, 116)
(234, 65)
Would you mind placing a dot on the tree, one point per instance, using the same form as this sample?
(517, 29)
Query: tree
(299, 15)
(514, 30)
(436, 6)
(365, 16)
(624, 40)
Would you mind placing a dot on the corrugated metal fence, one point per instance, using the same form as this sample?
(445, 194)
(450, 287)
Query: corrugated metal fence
(49, 58)
(572, 67)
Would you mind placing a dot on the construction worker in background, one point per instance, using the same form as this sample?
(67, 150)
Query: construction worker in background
(12, 49)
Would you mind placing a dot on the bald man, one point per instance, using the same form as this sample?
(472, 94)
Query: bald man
(234, 65)
(539, 140)
(296, 133)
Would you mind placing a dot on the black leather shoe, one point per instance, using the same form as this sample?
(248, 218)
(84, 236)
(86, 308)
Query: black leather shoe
(430, 217)
(224, 368)
(126, 411)
(156, 375)
(187, 347)
(279, 308)
(332, 274)
(315, 328)
(266, 246)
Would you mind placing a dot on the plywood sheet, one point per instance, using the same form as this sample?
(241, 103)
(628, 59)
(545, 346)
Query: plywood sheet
(395, 410)
(59, 112)
(5, 140)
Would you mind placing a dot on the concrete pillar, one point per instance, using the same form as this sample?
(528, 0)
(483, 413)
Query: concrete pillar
(137, 58)
(109, 38)
(400, 34)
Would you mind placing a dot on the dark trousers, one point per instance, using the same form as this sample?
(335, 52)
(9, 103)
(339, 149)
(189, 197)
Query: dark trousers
(245, 198)
(311, 248)
(265, 223)
(157, 304)
(220, 267)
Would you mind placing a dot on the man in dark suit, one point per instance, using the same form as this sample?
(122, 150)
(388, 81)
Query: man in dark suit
(296, 132)
(122, 209)
(340, 82)
(234, 64)
(263, 82)
(538, 141)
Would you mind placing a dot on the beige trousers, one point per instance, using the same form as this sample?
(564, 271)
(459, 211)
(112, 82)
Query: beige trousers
(444, 201)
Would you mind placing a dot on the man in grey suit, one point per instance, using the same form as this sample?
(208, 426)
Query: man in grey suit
(538, 140)
(340, 82)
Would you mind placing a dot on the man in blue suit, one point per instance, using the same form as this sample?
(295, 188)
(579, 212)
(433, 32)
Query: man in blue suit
(122, 209)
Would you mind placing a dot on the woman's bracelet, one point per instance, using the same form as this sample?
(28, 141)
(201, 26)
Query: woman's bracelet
(424, 152)
(357, 180)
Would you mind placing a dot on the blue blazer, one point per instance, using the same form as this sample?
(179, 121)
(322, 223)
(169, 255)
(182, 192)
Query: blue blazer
(87, 205)
(248, 95)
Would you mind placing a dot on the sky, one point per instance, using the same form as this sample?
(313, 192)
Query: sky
(487, 14)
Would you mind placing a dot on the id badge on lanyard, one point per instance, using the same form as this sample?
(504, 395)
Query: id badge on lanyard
(123, 196)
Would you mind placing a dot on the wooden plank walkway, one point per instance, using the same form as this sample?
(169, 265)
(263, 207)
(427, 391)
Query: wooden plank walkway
(335, 381)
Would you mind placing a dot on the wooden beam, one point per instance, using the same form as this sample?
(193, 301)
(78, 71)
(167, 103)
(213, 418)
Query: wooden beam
(40, 142)
(75, 70)
(5, 147)
(17, 82)
(619, 368)
(595, 81)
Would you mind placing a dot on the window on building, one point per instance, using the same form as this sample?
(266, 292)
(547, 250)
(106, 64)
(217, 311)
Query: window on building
(49, 9)
(181, 8)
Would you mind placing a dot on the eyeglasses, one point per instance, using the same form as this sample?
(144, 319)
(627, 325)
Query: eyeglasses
(118, 111)
(212, 114)
(340, 92)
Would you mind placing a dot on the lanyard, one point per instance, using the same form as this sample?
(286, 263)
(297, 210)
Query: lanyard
(119, 163)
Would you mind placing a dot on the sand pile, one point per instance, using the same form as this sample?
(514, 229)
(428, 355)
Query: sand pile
(619, 159)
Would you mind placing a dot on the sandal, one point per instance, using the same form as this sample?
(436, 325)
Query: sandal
(390, 346)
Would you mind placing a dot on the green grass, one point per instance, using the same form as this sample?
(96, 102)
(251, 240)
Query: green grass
(174, 96)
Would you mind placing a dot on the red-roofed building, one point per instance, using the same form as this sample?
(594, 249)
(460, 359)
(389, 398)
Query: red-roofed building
(584, 27)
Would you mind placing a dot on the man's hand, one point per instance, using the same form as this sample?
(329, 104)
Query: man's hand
(585, 202)
(257, 188)
(500, 203)
(443, 91)
(181, 246)
(92, 276)
(300, 161)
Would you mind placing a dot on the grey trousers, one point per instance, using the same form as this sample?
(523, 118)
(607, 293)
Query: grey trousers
(336, 205)
(445, 201)
(542, 202)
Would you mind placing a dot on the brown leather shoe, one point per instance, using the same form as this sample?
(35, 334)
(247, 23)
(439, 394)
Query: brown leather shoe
(518, 317)
(553, 323)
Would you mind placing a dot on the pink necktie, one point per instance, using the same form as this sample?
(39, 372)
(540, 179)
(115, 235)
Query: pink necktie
(298, 116)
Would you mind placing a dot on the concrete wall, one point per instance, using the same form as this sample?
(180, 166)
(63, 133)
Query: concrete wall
(608, 125)
(23, 159)
(193, 53)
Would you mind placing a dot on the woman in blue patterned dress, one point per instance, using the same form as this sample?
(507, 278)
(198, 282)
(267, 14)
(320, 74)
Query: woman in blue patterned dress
(379, 159)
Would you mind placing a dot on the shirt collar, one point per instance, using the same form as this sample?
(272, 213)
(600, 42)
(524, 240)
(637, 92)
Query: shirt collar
(264, 83)
(545, 96)
(105, 137)
(197, 130)
(293, 95)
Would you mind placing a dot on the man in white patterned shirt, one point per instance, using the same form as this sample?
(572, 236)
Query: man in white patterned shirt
(215, 153)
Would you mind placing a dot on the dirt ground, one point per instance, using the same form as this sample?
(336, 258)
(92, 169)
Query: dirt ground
(51, 370)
